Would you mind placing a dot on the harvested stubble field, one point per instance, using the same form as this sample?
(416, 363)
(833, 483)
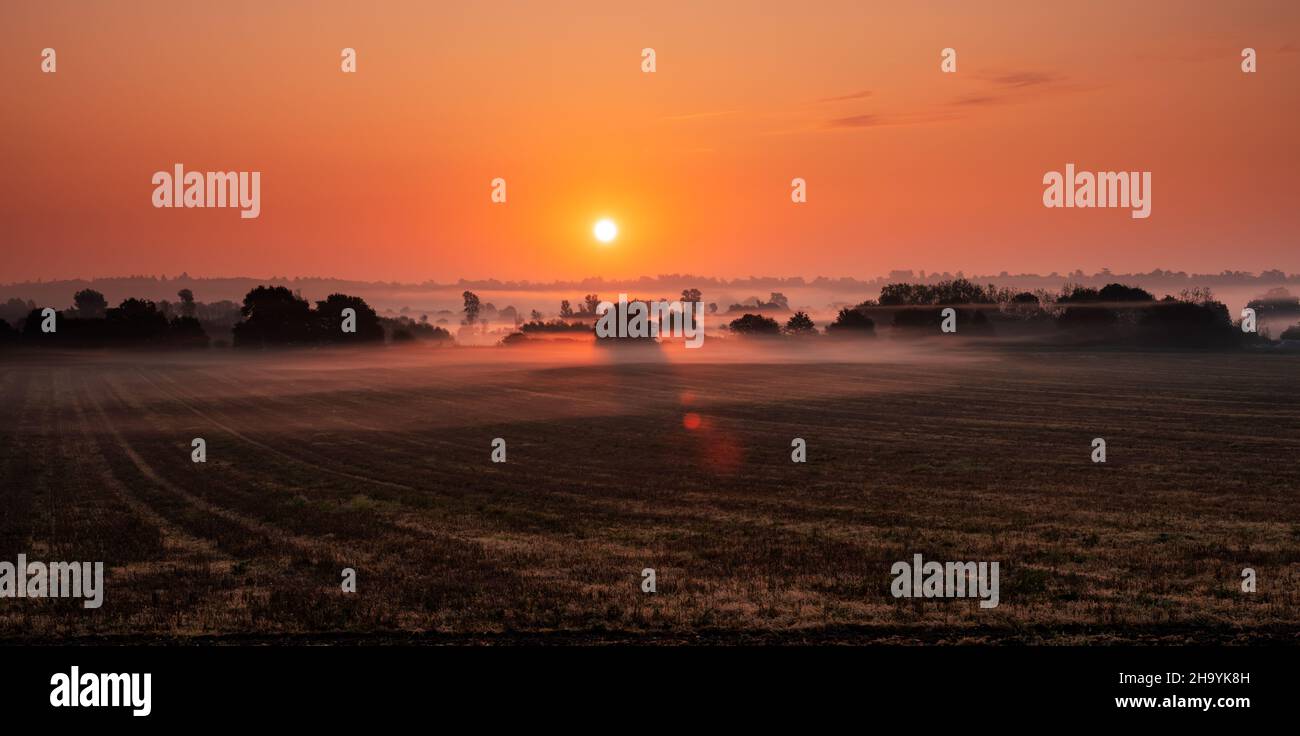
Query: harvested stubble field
(670, 459)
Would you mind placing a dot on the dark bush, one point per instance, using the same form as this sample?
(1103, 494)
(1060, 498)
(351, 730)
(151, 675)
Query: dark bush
(755, 325)
(273, 316)
(852, 321)
(329, 320)
(1184, 324)
(800, 324)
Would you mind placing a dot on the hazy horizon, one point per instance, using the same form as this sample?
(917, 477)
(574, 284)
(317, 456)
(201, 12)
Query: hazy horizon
(820, 296)
(898, 274)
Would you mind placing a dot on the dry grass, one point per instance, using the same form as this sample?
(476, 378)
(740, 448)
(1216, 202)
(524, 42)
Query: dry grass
(320, 461)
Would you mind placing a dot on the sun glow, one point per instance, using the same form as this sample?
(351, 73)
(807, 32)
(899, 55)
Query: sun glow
(605, 231)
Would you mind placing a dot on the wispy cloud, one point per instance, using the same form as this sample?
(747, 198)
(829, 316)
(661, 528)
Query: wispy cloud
(1016, 87)
(977, 100)
(861, 95)
(855, 121)
(998, 87)
(1021, 79)
(887, 120)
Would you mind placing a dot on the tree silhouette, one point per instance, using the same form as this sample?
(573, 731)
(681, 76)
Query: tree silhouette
(90, 304)
(273, 315)
(133, 323)
(329, 320)
(852, 321)
(1183, 323)
(800, 324)
(187, 302)
(31, 327)
(1276, 308)
(472, 307)
(136, 321)
(755, 325)
(15, 310)
(186, 332)
(956, 291)
(1122, 293)
(1093, 309)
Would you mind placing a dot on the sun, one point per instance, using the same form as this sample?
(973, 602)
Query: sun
(606, 230)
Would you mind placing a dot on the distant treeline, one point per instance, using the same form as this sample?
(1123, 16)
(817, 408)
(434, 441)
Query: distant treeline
(394, 293)
(270, 316)
(1114, 312)
(274, 316)
(662, 282)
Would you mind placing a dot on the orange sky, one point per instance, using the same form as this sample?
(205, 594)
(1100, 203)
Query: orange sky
(384, 174)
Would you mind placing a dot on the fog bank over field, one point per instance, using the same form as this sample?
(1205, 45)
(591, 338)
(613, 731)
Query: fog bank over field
(482, 386)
